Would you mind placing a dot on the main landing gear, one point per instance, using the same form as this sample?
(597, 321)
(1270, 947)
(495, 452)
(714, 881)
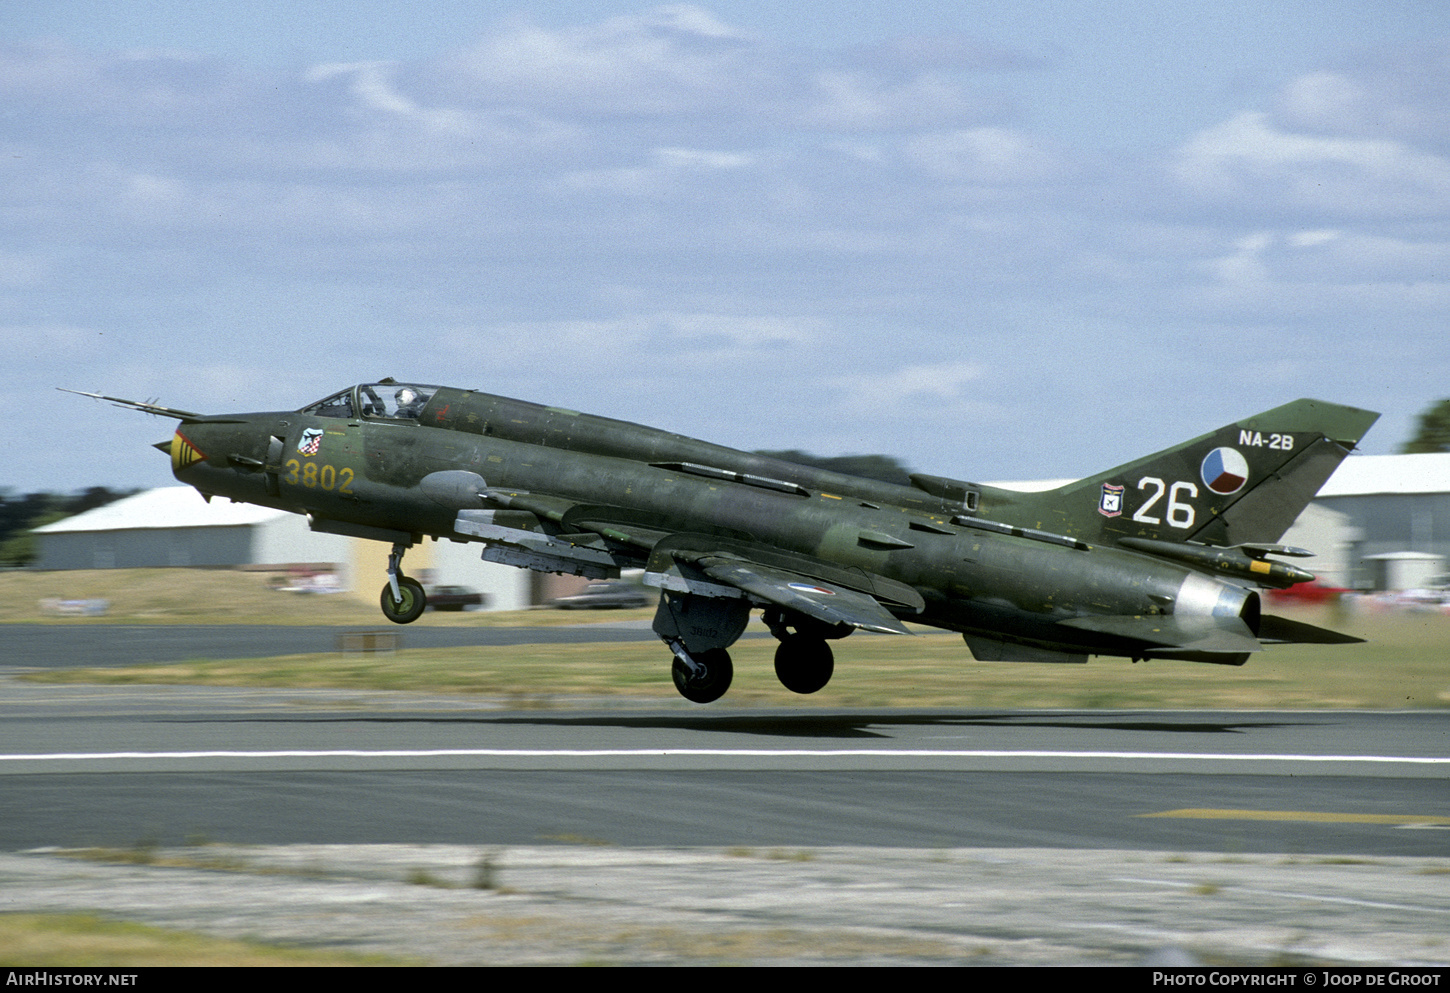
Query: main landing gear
(403, 600)
(703, 677)
(804, 663)
(700, 628)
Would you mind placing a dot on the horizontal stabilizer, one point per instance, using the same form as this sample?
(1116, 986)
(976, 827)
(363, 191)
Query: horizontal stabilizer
(1282, 631)
(1166, 633)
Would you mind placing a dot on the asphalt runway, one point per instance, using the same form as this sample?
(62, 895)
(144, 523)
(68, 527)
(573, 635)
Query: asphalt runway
(86, 765)
(1073, 792)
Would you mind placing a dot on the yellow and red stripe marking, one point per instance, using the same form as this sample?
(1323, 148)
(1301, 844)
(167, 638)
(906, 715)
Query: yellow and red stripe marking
(184, 453)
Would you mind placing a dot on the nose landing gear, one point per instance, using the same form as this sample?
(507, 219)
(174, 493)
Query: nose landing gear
(403, 600)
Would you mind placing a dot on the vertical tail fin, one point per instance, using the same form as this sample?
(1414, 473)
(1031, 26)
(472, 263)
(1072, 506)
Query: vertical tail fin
(1242, 484)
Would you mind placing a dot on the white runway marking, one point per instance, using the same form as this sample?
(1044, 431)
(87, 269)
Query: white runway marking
(815, 753)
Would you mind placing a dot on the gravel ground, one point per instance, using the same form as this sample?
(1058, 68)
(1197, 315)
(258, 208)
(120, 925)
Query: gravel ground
(565, 905)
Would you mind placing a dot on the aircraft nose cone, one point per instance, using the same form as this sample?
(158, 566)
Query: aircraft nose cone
(164, 446)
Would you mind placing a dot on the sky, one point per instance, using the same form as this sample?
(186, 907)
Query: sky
(997, 241)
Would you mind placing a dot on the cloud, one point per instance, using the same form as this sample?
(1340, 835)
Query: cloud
(618, 342)
(666, 60)
(22, 269)
(677, 61)
(907, 387)
(611, 211)
(1327, 257)
(1401, 94)
(982, 155)
(372, 83)
(1248, 159)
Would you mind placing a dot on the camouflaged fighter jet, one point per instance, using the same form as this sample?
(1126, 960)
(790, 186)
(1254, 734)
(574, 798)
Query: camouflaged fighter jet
(1160, 558)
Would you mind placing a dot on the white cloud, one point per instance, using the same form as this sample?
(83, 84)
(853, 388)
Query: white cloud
(1403, 93)
(982, 155)
(373, 85)
(1245, 265)
(668, 173)
(854, 101)
(1248, 159)
(908, 386)
(618, 342)
(662, 61)
(1327, 101)
(695, 158)
(22, 269)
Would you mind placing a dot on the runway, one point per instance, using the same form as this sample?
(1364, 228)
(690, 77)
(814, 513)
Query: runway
(139, 767)
(82, 765)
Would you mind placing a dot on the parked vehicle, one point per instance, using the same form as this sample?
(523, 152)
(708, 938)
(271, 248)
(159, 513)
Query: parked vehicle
(455, 598)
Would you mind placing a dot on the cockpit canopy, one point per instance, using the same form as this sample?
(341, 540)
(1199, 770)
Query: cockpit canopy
(387, 400)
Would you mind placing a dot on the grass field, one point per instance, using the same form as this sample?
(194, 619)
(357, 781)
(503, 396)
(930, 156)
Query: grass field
(1406, 664)
(91, 941)
(225, 596)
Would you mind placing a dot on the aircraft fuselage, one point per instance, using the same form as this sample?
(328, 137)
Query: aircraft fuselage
(371, 472)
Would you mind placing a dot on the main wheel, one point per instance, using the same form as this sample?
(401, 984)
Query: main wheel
(804, 664)
(410, 607)
(709, 685)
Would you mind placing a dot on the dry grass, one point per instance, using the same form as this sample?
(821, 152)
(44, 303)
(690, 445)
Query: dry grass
(226, 596)
(1406, 665)
(87, 940)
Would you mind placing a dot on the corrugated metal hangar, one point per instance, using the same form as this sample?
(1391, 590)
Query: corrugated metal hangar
(174, 526)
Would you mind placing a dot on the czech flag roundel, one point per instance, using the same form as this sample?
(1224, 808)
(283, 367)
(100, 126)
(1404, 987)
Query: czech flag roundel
(1224, 471)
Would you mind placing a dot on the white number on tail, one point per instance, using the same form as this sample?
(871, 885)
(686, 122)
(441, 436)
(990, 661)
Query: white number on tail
(1180, 511)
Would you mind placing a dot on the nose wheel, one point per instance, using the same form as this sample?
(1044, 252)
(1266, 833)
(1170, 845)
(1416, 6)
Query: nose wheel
(410, 603)
(403, 600)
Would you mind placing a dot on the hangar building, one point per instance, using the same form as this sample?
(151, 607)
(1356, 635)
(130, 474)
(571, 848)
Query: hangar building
(174, 526)
(1396, 513)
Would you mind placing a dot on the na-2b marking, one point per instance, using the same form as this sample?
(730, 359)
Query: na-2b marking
(1257, 439)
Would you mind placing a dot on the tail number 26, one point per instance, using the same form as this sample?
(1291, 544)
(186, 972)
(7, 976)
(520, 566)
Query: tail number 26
(1180, 512)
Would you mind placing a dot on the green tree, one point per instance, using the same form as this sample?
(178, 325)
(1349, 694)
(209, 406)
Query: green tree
(20, 514)
(1434, 432)
(20, 549)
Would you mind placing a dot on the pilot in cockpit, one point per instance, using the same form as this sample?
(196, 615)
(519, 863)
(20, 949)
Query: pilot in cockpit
(410, 404)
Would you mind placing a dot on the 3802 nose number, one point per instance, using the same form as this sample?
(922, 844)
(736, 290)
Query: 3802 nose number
(313, 476)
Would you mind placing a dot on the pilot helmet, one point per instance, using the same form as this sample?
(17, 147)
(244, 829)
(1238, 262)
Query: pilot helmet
(405, 396)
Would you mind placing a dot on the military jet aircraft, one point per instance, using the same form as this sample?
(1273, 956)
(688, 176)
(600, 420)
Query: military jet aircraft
(1160, 558)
